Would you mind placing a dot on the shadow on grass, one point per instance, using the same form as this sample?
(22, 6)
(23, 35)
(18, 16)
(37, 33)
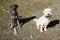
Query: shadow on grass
(53, 23)
(25, 20)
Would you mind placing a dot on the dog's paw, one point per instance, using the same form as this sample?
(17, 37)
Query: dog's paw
(15, 31)
(45, 29)
(41, 30)
(37, 27)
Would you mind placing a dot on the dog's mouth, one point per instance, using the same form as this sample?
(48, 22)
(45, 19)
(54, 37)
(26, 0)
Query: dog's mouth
(48, 16)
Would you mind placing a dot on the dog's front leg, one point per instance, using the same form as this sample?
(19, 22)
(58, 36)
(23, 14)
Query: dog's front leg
(15, 31)
(18, 23)
(45, 28)
(41, 28)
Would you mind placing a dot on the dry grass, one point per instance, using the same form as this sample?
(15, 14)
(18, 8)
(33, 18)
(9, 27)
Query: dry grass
(28, 8)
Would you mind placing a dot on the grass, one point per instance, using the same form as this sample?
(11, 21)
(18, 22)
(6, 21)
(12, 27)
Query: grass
(26, 9)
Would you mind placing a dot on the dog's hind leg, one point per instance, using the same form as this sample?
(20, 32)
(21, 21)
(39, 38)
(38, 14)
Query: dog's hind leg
(37, 25)
(11, 25)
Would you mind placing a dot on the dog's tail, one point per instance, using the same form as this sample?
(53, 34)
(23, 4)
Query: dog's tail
(35, 19)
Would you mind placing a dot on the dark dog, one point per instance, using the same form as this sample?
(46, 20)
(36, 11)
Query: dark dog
(14, 17)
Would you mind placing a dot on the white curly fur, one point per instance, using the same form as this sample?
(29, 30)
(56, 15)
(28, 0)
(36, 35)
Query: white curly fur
(43, 21)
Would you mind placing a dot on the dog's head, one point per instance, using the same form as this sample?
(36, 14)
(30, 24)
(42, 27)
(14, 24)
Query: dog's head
(47, 12)
(14, 6)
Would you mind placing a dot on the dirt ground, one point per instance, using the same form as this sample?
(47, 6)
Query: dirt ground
(28, 9)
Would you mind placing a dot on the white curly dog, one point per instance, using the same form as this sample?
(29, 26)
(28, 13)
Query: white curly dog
(44, 20)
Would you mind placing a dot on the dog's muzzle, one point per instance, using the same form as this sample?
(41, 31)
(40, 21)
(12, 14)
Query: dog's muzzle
(49, 15)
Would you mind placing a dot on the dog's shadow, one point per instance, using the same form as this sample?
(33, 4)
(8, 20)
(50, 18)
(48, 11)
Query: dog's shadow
(53, 23)
(25, 20)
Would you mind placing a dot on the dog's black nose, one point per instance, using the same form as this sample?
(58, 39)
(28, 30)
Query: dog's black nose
(48, 14)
